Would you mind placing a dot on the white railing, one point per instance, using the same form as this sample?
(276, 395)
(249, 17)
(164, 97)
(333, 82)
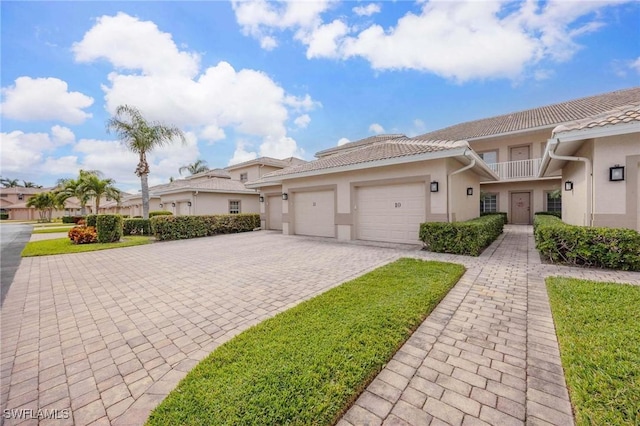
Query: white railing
(521, 169)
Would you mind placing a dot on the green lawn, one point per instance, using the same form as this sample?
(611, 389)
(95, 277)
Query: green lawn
(308, 364)
(50, 230)
(64, 245)
(598, 327)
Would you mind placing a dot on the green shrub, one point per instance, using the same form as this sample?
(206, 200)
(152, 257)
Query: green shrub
(83, 234)
(611, 248)
(183, 227)
(109, 227)
(90, 220)
(159, 213)
(4, 216)
(556, 214)
(72, 219)
(136, 227)
(503, 214)
(469, 238)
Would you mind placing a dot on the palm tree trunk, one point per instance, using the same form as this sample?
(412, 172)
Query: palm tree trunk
(145, 195)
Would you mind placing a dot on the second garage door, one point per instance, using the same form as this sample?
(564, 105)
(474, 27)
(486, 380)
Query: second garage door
(314, 213)
(390, 213)
(274, 212)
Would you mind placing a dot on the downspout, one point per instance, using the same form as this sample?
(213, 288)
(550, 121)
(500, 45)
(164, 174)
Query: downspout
(589, 175)
(465, 168)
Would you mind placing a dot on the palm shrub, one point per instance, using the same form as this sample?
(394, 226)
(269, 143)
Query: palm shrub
(109, 228)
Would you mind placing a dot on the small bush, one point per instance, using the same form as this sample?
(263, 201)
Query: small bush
(183, 227)
(556, 214)
(469, 238)
(4, 216)
(159, 213)
(83, 235)
(503, 214)
(90, 220)
(136, 227)
(612, 248)
(109, 227)
(72, 219)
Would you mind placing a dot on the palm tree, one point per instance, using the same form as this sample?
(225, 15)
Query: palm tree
(74, 188)
(141, 136)
(45, 203)
(94, 186)
(9, 183)
(28, 184)
(198, 167)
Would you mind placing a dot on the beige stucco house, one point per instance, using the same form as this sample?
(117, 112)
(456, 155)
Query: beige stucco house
(598, 158)
(379, 189)
(13, 201)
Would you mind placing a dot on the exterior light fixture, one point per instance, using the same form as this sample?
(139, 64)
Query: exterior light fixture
(285, 196)
(261, 199)
(173, 204)
(434, 186)
(616, 173)
(161, 205)
(189, 203)
(469, 191)
(568, 186)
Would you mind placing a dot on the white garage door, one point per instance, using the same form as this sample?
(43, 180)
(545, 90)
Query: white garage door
(390, 213)
(314, 213)
(274, 212)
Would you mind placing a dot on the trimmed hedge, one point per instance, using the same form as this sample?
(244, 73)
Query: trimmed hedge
(159, 213)
(4, 216)
(136, 227)
(183, 227)
(503, 214)
(72, 219)
(109, 227)
(90, 220)
(556, 214)
(468, 238)
(612, 248)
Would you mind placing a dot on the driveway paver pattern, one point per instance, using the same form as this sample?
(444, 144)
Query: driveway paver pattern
(107, 335)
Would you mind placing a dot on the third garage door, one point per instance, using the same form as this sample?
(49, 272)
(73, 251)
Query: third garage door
(390, 213)
(314, 213)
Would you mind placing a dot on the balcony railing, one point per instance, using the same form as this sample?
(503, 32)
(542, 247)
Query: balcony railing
(521, 169)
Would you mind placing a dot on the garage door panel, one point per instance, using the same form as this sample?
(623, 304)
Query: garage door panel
(314, 213)
(274, 211)
(390, 213)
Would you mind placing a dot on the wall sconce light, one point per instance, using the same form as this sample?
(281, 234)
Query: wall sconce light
(189, 203)
(469, 191)
(161, 205)
(261, 199)
(285, 196)
(434, 186)
(173, 204)
(616, 173)
(568, 186)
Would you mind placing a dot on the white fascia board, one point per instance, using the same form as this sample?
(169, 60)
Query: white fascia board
(484, 167)
(597, 132)
(221, 191)
(369, 164)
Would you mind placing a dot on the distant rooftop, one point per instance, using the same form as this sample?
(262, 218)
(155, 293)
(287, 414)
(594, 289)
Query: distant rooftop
(268, 161)
(359, 143)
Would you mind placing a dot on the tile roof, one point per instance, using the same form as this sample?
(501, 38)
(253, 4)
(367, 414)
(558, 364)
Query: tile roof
(355, 144)
(624, 114)
(549, 115)
(381, 150)
(267, 161)
(212, 184)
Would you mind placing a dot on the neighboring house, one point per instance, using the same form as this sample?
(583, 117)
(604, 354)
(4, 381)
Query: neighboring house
(13, 201)
(255, 169)
(380, 189)
(599, 159)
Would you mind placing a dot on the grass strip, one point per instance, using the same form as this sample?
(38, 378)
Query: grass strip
(308, 364)
(52, 230)
(64, 245)
(598, 328)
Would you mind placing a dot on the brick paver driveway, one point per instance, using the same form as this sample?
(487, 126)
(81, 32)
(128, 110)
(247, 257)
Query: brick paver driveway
(107, 335)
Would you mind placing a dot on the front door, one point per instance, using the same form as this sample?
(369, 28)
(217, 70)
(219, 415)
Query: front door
(521, 208)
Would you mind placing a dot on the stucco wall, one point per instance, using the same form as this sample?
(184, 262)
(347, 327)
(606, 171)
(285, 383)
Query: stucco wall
(267, 191)
(206, 203)
(574, 203)
(538, 189)
(536, 140)
(463, 207)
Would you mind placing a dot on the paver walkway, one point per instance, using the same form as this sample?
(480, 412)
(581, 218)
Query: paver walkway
(488, 354)
(104, 336)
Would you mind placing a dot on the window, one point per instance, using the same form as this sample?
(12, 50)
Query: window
(489, 157)
(488, 203)
(4, 195)
(20, 197)
(554, 201)
(243, 177)
(234, 206)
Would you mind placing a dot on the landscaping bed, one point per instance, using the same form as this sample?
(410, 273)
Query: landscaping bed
(64, 245)
(598, 328)
(307, 365)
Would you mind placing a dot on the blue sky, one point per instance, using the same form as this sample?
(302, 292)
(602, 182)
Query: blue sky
(252, 78)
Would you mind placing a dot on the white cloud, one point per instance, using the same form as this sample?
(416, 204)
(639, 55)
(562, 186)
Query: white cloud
(32, 99)
(342, 141)
(280, 148)
(302, 121)
(635, 65)
(209, 102)
(241, 155)
(367, 10)
(376, 128)
(323, 40)
(129, 43)
(62, 135)
(268, 43)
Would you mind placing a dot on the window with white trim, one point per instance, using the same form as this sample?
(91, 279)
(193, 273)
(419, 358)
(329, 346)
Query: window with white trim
(554, 202)
(488, 203)
(244, 177)
(234, 206)
(489, 157)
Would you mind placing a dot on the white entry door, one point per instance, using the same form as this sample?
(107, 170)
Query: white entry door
(391, 213)
(314, 213)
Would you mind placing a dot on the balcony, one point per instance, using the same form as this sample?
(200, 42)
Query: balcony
(517, 170)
